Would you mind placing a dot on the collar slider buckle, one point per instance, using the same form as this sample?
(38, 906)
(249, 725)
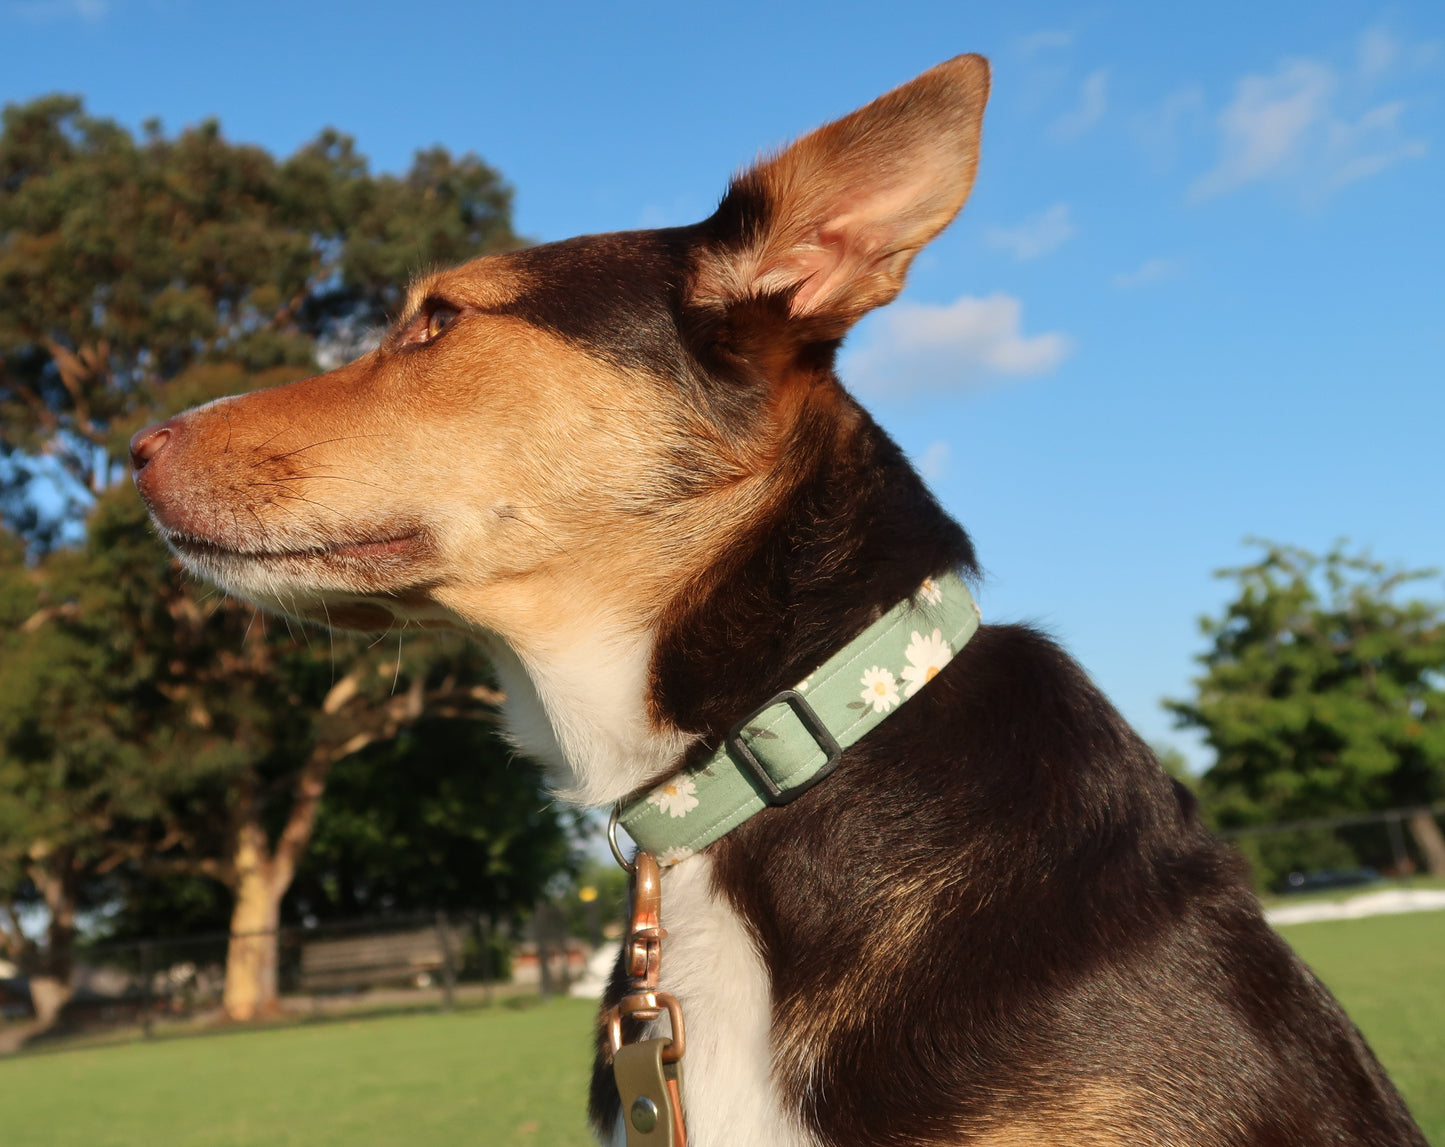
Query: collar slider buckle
(809, 719)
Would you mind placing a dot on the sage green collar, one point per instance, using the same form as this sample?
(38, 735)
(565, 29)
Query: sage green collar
(791, 743)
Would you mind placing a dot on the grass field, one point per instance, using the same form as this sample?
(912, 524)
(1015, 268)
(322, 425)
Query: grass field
(1389, 972)
(484, 1078)
(497, 1077)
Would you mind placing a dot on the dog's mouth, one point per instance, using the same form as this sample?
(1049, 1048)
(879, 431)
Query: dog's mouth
(406, 545)
(327, 579)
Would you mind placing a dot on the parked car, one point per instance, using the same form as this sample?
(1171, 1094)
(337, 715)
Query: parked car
(1330, 878)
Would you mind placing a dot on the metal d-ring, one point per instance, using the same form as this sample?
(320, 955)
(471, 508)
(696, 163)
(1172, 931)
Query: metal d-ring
(626, 865)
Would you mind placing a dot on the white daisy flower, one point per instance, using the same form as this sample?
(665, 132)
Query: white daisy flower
(880, 689)
(677, 797)
(930, 592)
(673, 856)
(926, 656)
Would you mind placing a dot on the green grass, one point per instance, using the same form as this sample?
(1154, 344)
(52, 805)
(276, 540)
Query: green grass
(1389, 972)
(489, 1078)
(500, 1076)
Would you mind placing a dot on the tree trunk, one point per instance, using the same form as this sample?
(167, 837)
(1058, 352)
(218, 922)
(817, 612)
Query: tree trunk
(261, 877)
(250, 991)
(1426, 832)
(50, 984)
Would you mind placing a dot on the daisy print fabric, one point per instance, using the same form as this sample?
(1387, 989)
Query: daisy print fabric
(677, 797)
(860, 686)
(880, 689)
(926, 656)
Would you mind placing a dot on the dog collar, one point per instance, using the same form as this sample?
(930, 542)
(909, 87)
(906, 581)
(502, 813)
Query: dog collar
(786, 746)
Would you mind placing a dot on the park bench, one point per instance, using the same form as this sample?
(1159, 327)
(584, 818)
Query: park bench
(378, 958)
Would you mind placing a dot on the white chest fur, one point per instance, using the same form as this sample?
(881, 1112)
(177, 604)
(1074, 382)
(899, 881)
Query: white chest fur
(710, 964)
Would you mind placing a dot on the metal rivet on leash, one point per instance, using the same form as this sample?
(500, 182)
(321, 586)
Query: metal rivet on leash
(644, 1114)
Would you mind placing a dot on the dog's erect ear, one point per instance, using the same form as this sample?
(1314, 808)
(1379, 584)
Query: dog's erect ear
(831, 223)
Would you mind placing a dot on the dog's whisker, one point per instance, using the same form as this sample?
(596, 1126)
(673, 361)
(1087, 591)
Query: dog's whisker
(396, 676)
(268, 441)
(313, 446)
(331, 478)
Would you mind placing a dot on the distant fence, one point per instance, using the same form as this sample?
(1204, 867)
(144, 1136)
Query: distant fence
(1397, 842)
(426, 960)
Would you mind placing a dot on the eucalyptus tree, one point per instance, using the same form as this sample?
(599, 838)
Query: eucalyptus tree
(143, 722)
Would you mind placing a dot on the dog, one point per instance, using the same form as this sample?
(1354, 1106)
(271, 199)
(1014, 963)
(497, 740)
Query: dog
(624, 463)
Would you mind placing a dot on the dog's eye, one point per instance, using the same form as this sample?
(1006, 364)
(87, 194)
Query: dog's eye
(440, 318)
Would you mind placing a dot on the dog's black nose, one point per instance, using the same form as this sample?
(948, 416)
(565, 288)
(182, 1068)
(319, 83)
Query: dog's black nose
(147, 444)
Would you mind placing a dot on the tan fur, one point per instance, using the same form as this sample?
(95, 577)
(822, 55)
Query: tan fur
(1096, 1115)
(522, 482)
(858, 198)
(491, 475)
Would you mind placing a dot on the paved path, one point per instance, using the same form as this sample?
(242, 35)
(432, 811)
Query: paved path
(1387, 903)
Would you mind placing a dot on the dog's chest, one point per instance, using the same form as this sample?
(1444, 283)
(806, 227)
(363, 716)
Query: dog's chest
(710, 964)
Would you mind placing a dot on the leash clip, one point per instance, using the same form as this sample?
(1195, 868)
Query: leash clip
(644, 930)
(648, 1072)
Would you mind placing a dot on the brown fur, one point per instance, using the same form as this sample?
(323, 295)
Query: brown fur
(998, 922)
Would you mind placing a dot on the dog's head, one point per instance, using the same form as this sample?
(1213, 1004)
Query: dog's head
(553, 441)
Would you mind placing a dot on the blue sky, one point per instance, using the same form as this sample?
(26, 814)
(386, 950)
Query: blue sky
(1197, 294)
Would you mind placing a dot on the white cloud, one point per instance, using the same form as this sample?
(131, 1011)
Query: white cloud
(1381, 53)
(1044, 40)
(934, 463)
(1287, 125)
(932, 346)
(1370, 144)
(1264, 129)
(1093, 103)
(1149, 271)
(39, 11)
(1037, 235)
(1378, 51)
(1159, 128)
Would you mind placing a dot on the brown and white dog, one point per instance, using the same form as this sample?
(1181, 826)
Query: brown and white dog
(625, 464)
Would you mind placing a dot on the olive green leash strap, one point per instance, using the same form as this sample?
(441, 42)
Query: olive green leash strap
(782, 749)
(651, 1092)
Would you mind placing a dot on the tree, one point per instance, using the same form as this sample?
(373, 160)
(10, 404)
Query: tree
(466, 829)
(143, 726)
(1323, 693)
(140, 720)
(123, 263)
(442, 817)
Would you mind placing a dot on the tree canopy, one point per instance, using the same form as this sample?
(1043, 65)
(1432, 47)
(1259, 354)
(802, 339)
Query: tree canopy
(149, 726)
(125, 261)
(1323, 691)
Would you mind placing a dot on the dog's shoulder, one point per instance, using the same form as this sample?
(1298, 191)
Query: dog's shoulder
(1002, 903)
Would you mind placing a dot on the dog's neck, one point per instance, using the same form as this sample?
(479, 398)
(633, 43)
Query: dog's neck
(856, 533)
(617, 705)
(582, 712)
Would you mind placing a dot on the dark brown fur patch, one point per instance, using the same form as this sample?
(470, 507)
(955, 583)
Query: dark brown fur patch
(617, 296)
(999, 916)
(998, 922)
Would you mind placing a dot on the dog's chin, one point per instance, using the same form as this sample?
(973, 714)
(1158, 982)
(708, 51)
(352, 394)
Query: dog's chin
(334, 585)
